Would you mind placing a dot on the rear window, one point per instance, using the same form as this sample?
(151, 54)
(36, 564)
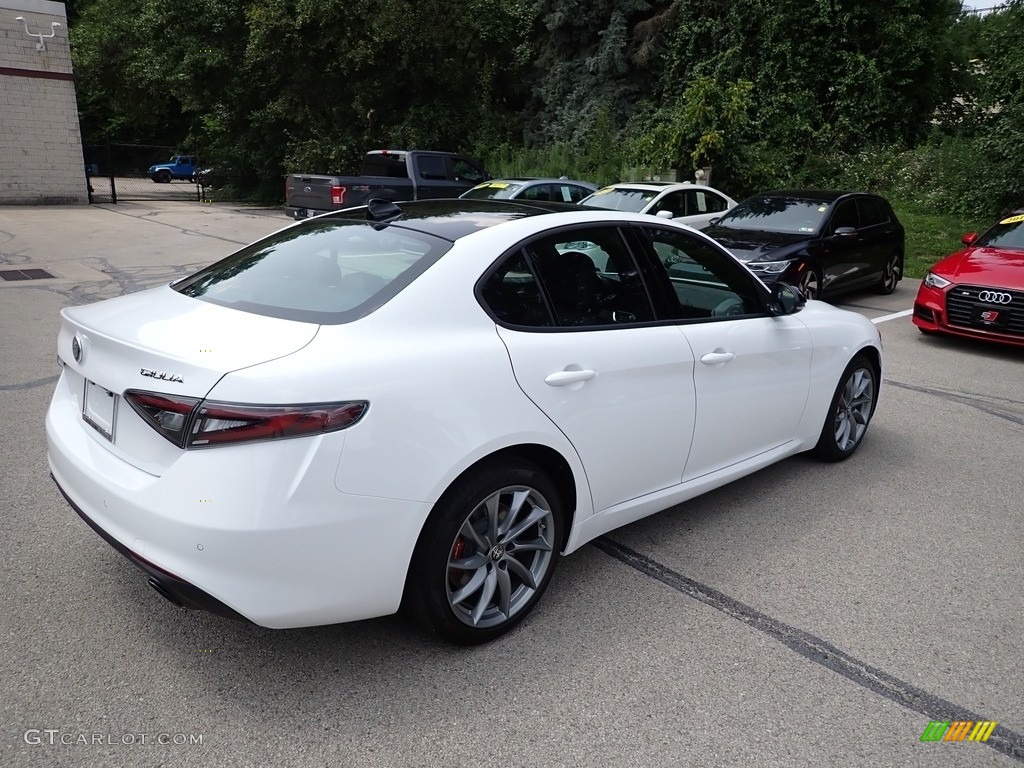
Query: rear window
(498, 190)
(620, 199)
(326, 270)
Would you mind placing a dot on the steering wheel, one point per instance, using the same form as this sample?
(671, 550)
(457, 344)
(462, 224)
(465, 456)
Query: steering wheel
(731, 307)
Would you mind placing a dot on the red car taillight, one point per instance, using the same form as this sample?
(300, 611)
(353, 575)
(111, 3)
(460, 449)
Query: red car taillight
(191, 423)
(337, 194)
(220, 423)
(167, 414)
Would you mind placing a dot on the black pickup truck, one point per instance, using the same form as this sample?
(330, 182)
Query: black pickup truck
(387, 175)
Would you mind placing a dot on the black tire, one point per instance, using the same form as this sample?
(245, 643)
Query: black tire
(163, 177)
(442, 597)
(892, 273)
(809, 282)
(849, 409)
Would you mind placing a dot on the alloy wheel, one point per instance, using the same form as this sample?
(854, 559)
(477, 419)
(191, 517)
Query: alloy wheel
(809, 284)
(500, 557)
(854, 409)
(892, 273)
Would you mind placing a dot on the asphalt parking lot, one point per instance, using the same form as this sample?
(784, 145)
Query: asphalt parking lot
(809, 615)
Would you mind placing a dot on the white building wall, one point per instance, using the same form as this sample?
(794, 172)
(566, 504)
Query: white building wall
(40, 140)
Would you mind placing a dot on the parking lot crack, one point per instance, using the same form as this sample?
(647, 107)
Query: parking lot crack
(1000, 407)
(816, 649)
(29, 384)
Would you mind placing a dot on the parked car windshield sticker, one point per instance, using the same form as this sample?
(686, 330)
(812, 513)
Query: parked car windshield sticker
(1013, 219)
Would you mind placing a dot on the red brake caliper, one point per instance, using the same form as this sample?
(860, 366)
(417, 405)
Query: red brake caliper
(458, 550)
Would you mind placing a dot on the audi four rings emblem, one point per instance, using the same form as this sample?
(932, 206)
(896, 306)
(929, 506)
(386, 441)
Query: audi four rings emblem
(995, 297)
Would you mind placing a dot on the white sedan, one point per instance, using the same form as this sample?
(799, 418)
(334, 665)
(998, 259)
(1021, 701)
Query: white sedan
(427, 405)
(693, 204)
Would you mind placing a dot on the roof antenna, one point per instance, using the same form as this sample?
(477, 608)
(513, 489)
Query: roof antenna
(381, 210)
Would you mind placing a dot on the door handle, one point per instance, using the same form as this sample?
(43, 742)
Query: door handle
(563, 378)
(717, 358)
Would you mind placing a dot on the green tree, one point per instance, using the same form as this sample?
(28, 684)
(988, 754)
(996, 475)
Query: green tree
(827, 74)
(695, 130)
(266, 86)
(590, 60)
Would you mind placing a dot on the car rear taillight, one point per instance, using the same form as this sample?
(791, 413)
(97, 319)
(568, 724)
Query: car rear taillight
(192, 423)
(220, 423)
(167, 414)
(337, 194)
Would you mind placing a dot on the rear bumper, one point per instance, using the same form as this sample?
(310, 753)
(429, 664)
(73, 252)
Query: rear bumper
(302, 213)
(257, 531)
(178, 591)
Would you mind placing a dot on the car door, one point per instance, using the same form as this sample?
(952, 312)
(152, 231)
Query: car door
(430, 176)
(569, 193)
(536, 192)
(672, 202)
(584, 348)
(846, 258)
(877, 233)
(752, 371)
(703, 205)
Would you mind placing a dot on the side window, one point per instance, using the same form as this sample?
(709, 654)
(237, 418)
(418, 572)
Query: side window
(590, 279)
(570, 193)
(536, 192)
(674, 202)
(701, 201)
(705, 282)
(513, 296)
(432, 167)
(871, 213)
(845, 216)
(466, 171)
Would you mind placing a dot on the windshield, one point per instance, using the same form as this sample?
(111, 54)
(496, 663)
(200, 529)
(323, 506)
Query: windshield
(500, 190)
(620, 199)
(1008, 233)
(777, 213)
(325, 270)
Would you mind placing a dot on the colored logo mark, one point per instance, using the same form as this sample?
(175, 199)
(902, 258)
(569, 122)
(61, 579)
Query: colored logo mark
(958, 730)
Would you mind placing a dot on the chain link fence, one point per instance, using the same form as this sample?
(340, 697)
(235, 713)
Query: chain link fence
(119, 172)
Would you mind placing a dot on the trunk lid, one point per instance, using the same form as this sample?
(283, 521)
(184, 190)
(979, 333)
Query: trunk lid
(158, 341)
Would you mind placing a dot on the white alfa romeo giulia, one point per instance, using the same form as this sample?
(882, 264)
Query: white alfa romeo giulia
(427, 405)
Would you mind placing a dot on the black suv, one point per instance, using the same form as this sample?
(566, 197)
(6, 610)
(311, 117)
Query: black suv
(822, 242)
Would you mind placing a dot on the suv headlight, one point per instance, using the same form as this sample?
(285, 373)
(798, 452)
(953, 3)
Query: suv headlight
(934, 281)
(768, 267)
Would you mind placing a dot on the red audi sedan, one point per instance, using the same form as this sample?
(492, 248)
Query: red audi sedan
(978, 292)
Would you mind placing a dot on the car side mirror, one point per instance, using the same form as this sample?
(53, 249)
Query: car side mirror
(664, 214)
(969, 238)
(714, 222)
(785, 300)
(845, 233)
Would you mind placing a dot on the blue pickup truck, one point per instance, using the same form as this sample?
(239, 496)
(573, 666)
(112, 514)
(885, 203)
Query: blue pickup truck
(180, 167)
